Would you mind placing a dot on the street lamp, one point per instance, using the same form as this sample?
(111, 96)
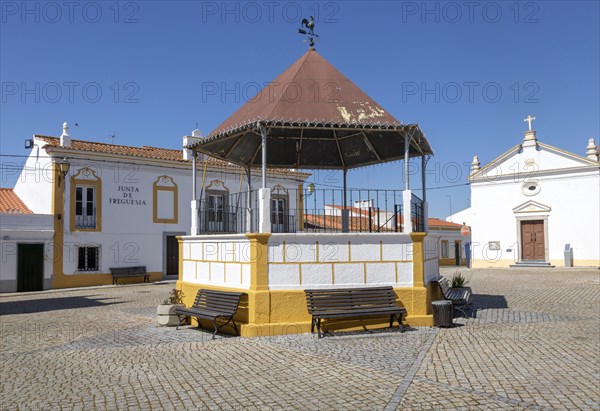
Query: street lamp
(64, 166)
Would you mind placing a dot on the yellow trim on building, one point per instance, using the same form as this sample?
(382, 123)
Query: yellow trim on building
(97, 184)
(173, 189)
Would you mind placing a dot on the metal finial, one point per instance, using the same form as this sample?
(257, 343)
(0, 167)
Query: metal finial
(310, 25)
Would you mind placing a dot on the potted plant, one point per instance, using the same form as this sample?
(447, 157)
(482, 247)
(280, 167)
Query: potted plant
(166, 311)
(458, 280)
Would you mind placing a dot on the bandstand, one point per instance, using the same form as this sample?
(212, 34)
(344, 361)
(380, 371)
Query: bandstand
(274, 242)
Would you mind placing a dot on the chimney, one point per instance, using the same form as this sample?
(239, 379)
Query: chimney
(65, 138)
(189, 140)
(475, 164)
(592, 150)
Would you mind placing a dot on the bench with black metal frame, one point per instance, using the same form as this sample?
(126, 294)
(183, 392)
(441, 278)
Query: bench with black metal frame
(125, 272)
(352, 303)
(460, 297)
(212, 305)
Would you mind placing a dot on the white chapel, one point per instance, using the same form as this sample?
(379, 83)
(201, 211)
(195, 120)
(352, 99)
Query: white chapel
(535, 205)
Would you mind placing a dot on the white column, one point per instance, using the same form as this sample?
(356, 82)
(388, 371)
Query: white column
(406, 194)
(264, 194)
(249, 201)
(424, 186)
(406, 214)
(195, 202)
(264, 203)
(194, 228)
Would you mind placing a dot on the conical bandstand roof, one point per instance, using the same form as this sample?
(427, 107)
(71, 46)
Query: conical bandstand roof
(315, 118)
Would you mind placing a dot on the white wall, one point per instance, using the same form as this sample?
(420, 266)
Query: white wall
(129, 236)
(574, 218)
(299, 261)
(222, 260)
(24, 229)
(34, 185)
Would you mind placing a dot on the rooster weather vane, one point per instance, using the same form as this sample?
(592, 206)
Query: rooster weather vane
(310, 25)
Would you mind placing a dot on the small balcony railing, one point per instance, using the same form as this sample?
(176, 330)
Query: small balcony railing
(86, 221)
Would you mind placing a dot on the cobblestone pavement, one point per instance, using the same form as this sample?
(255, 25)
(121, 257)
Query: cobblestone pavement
(533, 344)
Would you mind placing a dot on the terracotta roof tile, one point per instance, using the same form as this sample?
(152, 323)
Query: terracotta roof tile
(11, 203)
(435, 222)
(148, 152)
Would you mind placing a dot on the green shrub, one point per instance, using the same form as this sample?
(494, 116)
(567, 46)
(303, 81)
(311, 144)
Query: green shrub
(458, 280)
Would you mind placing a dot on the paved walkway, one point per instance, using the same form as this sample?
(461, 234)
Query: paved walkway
(533, 345)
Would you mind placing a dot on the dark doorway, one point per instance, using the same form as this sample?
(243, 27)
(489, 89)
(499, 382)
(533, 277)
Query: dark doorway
(532, 240)
(457, 252)
(172, 256)
(30, 267)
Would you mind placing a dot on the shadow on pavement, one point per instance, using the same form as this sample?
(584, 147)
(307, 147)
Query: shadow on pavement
(50, 304)
(485, 301)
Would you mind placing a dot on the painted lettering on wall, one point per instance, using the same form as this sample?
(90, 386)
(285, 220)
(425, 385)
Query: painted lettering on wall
(127, 196)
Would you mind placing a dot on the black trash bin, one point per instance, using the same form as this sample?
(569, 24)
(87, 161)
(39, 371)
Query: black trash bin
(442, 313)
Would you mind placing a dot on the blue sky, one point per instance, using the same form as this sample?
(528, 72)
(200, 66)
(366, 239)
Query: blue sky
(468, 73)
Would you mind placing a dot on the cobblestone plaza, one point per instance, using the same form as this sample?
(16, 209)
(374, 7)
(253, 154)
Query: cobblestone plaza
(534, 344)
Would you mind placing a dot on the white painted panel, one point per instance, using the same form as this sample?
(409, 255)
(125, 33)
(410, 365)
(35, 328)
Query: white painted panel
(381, 273)
(316, 275)
(395, 251)
(333, 251)
(165, 209)
(284, 274)
(365, 251)
(242, 251)
(233, 274)
(217, 273)
(300, 252)
(186, 252)
(227, 251)
(430, 248)
(189, 271)
(246, 275)
(405, 273)
(275, 252)
(211, 250)
(202, 275)
(349, 274)
(431, 270)
(196, 250)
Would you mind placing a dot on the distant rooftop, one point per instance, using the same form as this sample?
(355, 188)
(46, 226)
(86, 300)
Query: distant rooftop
(10, 203)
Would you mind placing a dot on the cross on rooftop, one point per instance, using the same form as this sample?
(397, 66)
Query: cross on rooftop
(529, 120)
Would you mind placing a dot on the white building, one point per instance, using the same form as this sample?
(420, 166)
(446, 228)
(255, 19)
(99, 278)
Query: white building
(91, 206)
(532, 203)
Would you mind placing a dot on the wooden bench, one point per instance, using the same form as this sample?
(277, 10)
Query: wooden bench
(460, 297)
(123, 272)
(352, 302)
(212, 305)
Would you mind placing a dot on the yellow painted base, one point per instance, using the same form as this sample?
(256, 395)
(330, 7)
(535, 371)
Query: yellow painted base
(557, 263)
(87, 280)
(281, 312)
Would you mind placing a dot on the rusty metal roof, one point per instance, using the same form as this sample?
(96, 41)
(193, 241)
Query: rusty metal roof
(315, 118)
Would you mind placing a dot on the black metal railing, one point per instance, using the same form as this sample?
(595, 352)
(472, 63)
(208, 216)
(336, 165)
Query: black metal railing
(416, 214)
(311, 211)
